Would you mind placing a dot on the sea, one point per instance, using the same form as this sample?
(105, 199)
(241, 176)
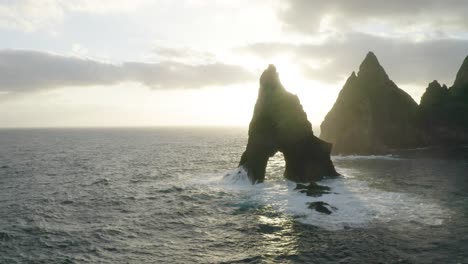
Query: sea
(175, 195)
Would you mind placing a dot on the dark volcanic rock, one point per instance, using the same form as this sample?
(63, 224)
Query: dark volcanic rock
(444, 112)
(313, 189)
(321, 207)
(280, 124)
(459, 90)
(371, 114)
(435, 95)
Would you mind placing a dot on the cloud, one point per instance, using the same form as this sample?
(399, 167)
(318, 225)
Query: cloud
(103, 6)
(183, 54)
(308, 16)
(405, 61)
(33, 15)
(29, 15)
(24, 71)
(178, 75)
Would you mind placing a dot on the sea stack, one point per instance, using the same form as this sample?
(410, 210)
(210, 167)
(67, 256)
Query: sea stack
(371, 114)
(279, 123)
(444, 111)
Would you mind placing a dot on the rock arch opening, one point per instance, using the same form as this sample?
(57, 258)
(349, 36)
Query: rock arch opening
(275, 166)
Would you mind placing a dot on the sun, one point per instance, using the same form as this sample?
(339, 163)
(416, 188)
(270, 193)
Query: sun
(316, 97)
(289, 73)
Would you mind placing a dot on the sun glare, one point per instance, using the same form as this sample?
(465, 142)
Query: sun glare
(316, 97)
(289, 73)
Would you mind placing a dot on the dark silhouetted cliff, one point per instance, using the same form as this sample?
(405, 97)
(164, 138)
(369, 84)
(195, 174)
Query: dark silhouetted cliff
(371, 114)
(280, 124)
(444, 112)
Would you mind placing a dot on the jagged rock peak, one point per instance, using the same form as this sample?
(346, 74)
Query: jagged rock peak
(270, 78)
(370, 67)
(444, 112)
(435, 94)
(371, 114)
(462, 75)
(351, 78)
(370, 60)
(269, 81)
(434, 85)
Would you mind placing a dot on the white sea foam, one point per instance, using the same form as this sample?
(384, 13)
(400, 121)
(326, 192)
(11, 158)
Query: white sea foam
(358, 204)
(237, 176)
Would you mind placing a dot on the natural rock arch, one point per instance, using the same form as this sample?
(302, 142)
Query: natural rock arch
(280, 124)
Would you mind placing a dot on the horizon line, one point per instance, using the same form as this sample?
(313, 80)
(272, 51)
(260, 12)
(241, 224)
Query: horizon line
(123, 126)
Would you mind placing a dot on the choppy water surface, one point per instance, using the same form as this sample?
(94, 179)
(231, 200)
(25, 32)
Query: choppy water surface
(160, 196)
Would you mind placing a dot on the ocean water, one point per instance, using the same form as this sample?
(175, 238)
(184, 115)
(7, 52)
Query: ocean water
(174, 195)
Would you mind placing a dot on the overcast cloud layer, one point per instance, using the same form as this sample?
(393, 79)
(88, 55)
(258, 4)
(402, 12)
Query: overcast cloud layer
(416, 41)
(306, 15)
(23, 71)
(406, 61)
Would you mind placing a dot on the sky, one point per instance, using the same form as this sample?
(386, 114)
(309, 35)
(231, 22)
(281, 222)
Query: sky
(87, 63)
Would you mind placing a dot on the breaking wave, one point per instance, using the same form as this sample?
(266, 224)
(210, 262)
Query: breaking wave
(357, 204)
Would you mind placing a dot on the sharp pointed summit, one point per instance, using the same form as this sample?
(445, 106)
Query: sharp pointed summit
(370, 61)
(371, 68)
(371, 114)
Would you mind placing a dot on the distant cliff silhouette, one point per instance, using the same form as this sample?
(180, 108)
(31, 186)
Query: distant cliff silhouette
(372, 115)
(444, 111)
(280, 124)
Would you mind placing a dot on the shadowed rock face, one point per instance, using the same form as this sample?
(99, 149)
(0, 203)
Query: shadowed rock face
(459, 90)
(444, 112)
(280, 124)
(435, 95)
(371, 114)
